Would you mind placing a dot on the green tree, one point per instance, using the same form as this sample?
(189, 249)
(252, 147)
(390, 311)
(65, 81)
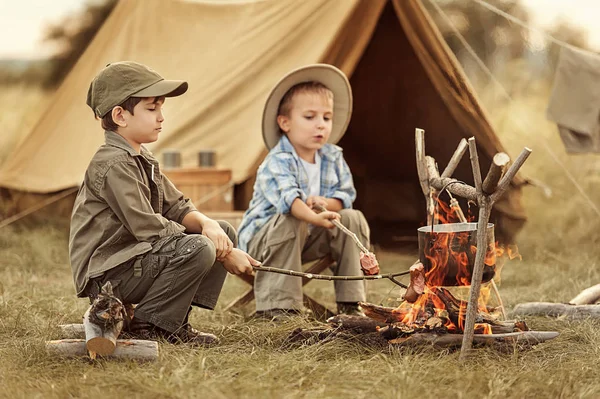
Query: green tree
(72, 35)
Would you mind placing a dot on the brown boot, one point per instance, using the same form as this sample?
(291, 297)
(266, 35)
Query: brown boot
(186, 334)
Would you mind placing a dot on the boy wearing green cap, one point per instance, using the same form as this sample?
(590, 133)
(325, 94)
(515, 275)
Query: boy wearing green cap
(132, 227)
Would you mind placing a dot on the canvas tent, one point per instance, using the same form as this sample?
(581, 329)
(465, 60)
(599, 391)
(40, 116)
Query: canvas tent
(402, 73)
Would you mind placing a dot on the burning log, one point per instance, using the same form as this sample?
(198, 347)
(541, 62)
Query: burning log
(588, 296)
(358, 324)
(557, 310)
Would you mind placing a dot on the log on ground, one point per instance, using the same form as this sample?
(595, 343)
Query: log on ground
(557, 310)
(140, 350)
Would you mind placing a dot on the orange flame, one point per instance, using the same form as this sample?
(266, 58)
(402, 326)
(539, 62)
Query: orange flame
(446, 251)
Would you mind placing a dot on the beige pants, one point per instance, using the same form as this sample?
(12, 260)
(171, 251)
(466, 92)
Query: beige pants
(285, 242)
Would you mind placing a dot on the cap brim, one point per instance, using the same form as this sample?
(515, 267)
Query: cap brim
(326, 74)
(164, 88)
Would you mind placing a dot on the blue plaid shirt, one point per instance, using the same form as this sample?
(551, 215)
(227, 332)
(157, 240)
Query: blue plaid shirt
(281, 179)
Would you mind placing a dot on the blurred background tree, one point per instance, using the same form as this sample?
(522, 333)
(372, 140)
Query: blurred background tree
(72, 35)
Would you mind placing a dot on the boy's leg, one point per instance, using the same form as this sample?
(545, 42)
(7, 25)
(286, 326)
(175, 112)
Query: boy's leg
(279, 244)
(164, 281)
(209, 289)
(344, 251)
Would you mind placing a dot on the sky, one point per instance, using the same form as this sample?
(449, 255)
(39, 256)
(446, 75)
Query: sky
(22, 22)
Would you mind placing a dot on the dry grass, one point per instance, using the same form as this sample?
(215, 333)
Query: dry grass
(560, 251)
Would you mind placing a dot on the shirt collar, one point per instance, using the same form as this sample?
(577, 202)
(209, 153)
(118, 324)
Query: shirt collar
(328, 151)
(116, 140)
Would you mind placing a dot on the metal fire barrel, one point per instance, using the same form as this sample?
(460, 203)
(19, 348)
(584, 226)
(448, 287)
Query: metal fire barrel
(449, 248)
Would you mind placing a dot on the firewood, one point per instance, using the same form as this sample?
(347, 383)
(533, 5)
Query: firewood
(140, 350)
(557, 309)
(103, 322)
(449, 340)
(588, 296)
(72, 331)
(356, 324)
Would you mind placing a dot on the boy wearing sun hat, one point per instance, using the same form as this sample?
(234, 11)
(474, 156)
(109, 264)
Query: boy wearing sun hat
(306, 114)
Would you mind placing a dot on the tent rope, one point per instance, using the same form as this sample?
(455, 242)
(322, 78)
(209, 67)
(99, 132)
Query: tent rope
(527, 128)
(523, 24)
(37, 207)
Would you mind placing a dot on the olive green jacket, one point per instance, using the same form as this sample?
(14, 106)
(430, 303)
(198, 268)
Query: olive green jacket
(123, 206)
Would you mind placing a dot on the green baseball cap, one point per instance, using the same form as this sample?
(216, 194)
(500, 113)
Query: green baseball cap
(120, 80)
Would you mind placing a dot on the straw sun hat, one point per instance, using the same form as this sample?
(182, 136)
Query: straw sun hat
(328, 75)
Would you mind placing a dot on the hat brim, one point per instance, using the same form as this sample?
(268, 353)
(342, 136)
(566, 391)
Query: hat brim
(163, 88)
(328, 75)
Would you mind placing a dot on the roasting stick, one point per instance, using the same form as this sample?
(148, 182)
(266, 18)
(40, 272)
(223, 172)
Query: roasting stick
(463, 219)
(340, 226)
(389, 276)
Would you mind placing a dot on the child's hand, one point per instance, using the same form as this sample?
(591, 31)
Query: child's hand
(239, 262)
(217, 235)
(316, 200)
(324, 219)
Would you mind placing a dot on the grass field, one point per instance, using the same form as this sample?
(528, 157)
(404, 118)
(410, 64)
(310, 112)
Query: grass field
(560, 258)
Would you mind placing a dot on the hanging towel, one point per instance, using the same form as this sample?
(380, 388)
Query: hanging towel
(575, 100)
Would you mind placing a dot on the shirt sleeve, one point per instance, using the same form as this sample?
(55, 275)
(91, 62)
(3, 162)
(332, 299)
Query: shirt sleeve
(344, 190)
(175, 204)
(277, 179)
(126, 194)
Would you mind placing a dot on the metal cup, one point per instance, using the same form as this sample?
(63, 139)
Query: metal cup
(207, 158)
(171, 159)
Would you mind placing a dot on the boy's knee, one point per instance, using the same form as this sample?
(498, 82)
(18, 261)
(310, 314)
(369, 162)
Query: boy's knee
(229, 230)
(290, 222)
(199, 248)
(352, 216)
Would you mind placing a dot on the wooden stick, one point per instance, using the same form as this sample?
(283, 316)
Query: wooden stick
(140, 350)
(475, 165)
(433, 173)
(557, 309)
(498, 298)
(587, 296)
(456, 187)
(344, 229)
(421, 163)
(389, 276)
(456, 157)
(485, 207)
(497, 168)
(512, 171)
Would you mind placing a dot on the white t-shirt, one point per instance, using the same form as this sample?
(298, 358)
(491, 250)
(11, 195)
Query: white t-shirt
(313, 170)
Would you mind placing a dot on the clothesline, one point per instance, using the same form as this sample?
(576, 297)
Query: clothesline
(527, 129)
(523, 24)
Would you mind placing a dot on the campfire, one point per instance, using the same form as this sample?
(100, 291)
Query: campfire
(454, 255)
(446, 260)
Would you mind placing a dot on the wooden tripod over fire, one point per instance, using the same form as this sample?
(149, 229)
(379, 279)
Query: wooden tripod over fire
(484, 194)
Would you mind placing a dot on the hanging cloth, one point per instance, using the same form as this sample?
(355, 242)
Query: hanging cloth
(575, 100)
